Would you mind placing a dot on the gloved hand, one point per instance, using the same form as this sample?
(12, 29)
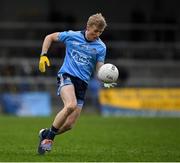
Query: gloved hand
(43, 62)
(109, 85)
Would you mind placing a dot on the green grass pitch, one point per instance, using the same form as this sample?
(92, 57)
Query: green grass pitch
(94, 138)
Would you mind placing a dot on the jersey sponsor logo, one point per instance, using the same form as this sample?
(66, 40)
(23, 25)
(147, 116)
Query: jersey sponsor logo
(80, 58)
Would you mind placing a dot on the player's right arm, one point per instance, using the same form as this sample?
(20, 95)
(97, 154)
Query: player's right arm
(46, 44)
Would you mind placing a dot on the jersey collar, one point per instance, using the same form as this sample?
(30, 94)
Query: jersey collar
(83, 32)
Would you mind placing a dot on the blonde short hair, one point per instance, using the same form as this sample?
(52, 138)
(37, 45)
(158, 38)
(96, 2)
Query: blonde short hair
(98, 20)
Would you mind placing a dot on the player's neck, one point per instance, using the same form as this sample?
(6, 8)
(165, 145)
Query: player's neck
(83, 33)
(85, 36)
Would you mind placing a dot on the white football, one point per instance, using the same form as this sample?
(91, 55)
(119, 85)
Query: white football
(108, 73)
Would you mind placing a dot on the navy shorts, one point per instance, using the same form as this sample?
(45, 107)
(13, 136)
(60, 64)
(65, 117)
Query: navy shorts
(79, 85)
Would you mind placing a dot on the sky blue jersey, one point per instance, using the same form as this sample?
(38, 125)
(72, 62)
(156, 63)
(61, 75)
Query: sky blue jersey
(81, 55)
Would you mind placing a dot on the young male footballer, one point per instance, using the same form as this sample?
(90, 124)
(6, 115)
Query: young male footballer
(85, 52)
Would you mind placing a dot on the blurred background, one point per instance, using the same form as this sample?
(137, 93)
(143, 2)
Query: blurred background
(142, 38)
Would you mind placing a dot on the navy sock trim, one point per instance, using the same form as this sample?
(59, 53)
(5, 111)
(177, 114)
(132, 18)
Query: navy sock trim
(53, 129)
(52, 133)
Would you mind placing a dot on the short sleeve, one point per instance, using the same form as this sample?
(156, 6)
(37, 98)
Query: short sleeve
(63, 36)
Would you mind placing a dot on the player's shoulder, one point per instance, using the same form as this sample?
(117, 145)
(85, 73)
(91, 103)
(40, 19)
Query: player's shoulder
(71, 32)
(101, 43)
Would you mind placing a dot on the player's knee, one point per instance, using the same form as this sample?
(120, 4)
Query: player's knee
(71, 107)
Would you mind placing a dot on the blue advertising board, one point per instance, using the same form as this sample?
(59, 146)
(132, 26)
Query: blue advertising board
(27, 104)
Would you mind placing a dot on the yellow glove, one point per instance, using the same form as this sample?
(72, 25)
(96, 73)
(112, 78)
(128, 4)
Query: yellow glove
(43, 62)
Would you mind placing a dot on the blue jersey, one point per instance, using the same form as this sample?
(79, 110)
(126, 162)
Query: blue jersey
(81, 55)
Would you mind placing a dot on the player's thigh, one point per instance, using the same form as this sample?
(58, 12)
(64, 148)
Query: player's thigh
(68, 94)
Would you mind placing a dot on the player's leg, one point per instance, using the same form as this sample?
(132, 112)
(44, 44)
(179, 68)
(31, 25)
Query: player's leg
(73, 98)
(80, 90)
(70, 121)
(66, 118)
(70, 103)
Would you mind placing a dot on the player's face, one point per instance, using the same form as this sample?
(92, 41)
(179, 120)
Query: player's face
(92, 32)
